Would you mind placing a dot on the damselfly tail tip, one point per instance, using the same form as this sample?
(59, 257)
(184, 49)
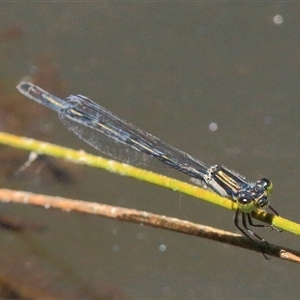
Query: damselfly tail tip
(24, 85)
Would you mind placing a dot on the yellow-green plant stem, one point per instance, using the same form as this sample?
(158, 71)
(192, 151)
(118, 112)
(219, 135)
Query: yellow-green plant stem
(81, 157)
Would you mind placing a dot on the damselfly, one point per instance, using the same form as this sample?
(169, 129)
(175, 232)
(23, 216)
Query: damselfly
(88, 120)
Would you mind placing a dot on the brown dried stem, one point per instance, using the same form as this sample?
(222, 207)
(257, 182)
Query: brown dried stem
(146, 218)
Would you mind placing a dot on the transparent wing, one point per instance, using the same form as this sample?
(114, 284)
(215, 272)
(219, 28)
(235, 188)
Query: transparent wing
(94, 124)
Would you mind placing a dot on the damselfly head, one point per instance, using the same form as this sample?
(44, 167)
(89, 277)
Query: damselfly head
(264, 188)
(256, 196)
(266, 184)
